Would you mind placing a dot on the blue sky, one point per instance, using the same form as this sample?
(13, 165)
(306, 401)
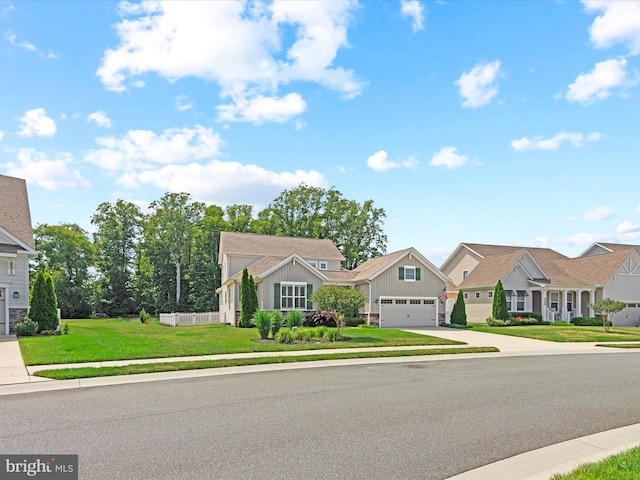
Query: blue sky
(501, 122)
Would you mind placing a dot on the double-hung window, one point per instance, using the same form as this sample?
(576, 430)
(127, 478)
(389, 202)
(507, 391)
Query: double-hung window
(12, 267)
(293, 296)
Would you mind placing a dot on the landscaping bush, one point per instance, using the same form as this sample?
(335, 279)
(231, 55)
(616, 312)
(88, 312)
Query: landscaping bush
(144, 316)
(295, 319)
(364, 325)
(515, 321)
(304, 334)
(459, 312)
(284, 335)
(262, 321)
(319, 332)
(333, 335)
(587, 322)
(354, 321)
(277, 322)
(537, 316)
(494, 322)
(320, 318)
(65, 330)
(26, 328)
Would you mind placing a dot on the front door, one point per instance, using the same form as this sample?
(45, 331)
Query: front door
(3, 318)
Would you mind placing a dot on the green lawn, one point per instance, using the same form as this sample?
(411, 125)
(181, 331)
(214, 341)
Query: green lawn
(624, 466)
(71, 373)
(555, 333)
(112, 339)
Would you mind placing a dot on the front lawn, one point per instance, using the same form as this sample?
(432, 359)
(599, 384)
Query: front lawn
(113, 339)
(624, 466)
(561, 333)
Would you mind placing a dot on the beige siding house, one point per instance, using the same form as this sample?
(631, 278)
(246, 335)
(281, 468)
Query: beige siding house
(401, 288)
(16, 246)
(544, 281)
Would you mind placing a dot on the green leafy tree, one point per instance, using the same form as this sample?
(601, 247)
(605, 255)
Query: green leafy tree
(115, 240)
(248, 300)
(459, 313)
(204, 269)
(169, 232)
(44, 306)
(68, 254)
(313, 212)
(339, 300)
(239, 218)
(500, 309)
(607, 307)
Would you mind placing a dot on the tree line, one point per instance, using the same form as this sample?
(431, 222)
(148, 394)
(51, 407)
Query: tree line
(167, 259)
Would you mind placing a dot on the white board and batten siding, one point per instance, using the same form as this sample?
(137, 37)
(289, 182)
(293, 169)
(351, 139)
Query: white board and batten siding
(293, 271)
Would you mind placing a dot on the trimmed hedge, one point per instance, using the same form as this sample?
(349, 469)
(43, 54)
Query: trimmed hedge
(537, 316)
(587, 322)
(514, 322)
(354, 322)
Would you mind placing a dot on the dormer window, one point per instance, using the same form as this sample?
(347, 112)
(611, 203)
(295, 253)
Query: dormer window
(313, 263)
(323, 265)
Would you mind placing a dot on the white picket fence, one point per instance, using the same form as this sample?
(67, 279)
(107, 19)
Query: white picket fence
(199, 318)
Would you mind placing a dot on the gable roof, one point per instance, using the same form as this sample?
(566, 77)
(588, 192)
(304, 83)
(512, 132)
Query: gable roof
(275, 246)
(15, 216)
(598, 269)
(376, 266)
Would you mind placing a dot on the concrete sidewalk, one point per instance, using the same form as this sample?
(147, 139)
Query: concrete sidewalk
(538, 464)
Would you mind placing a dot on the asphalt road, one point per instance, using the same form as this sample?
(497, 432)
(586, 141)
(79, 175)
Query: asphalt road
(388, 421)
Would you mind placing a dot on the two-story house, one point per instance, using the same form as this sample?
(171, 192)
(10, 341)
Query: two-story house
(16, 246)
(403, 289)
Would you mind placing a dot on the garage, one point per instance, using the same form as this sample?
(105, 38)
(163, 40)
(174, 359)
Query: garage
(629, 317)
(408, 312)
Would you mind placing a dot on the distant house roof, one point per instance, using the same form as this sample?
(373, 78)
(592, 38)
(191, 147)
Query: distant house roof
(275, 246)
(15, 216)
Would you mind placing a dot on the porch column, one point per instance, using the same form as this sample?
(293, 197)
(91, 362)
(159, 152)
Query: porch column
(577, 304)
(592, 299)
(563, 313)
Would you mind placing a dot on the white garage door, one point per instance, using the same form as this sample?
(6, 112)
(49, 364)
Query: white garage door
(407, 312)
(629, 317)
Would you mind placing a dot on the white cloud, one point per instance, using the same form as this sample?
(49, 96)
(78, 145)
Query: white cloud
(1, 135)
(597, 84)
(414, 10)
(143, 148)
(618, 22)
(11, 38)
(477, 87)
(553, 143)
(245, 52)
(380, 162)
(100, 118)
(7, 9)
(35, 122)
(51, 174)
(596, 214)
(260, 109)
(183, 104)
(627, 227)
(234, 182)
(448, 158)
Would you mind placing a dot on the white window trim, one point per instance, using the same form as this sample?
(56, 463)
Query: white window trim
(324, 265)
(477, 294)
(294, 285)
(465, 274)
(313, 263)
(406, 269)
(11, 270)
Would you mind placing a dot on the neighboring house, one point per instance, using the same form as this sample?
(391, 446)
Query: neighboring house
(401, 288)
(544, 281)
(16, 246)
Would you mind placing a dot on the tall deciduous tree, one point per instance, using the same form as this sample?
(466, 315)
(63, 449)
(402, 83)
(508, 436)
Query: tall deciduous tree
(68, 254)
(314, 212)
(116, 238)
(499, 307)
(239, 218)
(169, 233)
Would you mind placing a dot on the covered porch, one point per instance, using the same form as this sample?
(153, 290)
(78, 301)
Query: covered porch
(561, 304)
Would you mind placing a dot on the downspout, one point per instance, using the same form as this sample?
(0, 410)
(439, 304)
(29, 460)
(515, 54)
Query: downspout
(369, 312)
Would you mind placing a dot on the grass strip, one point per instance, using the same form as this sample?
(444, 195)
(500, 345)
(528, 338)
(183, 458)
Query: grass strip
(565, 333)
(88, 372)
(624, 466)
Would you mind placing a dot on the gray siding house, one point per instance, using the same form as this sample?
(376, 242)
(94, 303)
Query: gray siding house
(544, 281)
(402, 289)
(16, 247)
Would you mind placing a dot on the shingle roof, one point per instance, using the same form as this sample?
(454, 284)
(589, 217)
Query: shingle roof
(374, 265)
(491, 269)
(597, 269)
(259, 267)
(269, 245)
(618, 246)
(15, 216)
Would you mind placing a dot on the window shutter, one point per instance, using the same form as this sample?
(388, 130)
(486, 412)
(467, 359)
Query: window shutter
(309, 292)
(417, 273)
(400, 273)
(276, 296)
